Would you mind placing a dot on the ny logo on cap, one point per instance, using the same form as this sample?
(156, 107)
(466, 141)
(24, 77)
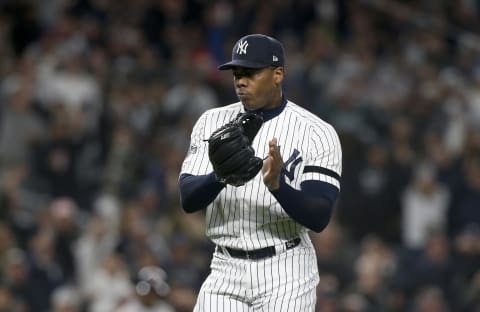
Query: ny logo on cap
(242, 47)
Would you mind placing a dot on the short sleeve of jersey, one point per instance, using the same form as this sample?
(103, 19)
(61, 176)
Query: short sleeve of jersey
(196, 162)
(324, 158)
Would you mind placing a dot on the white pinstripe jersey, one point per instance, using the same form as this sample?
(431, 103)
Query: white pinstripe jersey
(249, 217)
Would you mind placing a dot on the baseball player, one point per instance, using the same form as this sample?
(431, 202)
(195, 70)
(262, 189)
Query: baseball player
(262, 198)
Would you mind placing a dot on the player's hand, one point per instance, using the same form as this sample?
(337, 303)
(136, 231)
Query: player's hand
(272, 166)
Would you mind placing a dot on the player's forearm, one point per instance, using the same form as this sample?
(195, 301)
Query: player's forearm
(197, 192)
(311, 207)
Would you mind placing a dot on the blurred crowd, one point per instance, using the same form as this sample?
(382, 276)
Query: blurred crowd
(97, 101)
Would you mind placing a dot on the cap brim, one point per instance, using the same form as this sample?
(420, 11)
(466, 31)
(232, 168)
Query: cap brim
(241, 63)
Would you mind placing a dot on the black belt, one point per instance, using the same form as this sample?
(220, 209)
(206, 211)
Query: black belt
(257, 254)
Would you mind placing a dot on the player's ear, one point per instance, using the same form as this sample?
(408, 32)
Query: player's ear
(278, 73)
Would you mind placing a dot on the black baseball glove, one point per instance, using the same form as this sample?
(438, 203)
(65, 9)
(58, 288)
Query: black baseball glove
(230, 150)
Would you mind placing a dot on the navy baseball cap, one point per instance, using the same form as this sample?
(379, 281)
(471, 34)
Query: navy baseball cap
(256, 51)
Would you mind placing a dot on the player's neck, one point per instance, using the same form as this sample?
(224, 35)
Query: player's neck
(276, 102)
(274, 110)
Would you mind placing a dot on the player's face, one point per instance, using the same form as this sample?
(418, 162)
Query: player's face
(258, 88)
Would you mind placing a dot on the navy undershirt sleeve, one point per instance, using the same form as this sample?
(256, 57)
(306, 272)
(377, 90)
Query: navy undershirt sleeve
(197, 192)
(312, 206)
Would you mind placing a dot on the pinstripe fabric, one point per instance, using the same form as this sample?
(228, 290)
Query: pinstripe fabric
(283, 283)
(248, 217)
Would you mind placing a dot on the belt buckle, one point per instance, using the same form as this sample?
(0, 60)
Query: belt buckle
(247, 255)
(290, 244)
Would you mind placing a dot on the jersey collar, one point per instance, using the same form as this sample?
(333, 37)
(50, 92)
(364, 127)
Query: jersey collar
(268, 114)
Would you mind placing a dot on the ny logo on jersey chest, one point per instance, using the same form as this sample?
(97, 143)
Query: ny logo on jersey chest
(293, 162)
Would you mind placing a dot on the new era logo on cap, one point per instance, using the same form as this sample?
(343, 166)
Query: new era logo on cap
(256, 51)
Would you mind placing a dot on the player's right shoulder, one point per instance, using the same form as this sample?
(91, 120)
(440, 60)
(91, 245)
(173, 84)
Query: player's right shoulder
(221, 115)
(213, 118)
(224, 110)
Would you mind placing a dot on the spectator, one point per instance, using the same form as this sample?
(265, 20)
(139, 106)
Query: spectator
(424, 208)
(190, 97)
(374, 267)
(462, 211)
(66, 299)
(433, 267)
(16, 277)
(21, 128)
(151, 292)
(7, 301)
(430, 299)
(94, 245)
(109, 285)
(45, 273)
(376, 211)
(334, 256)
